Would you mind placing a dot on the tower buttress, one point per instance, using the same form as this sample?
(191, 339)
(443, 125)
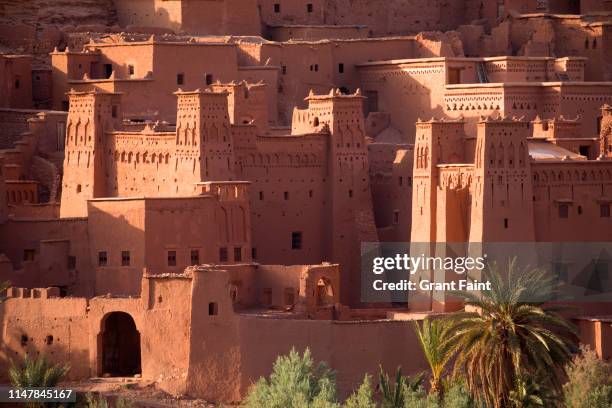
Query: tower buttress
(90, 116)
(350, 214)
(204, 145)
(502, 199)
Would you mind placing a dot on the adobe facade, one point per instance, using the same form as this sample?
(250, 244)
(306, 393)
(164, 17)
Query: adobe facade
(186, 185)
(315, 176)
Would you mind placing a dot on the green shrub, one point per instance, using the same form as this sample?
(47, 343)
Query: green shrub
(295, 383)
(36, 373)
(363, 397)
(457, 395)
(101, 402)
(589, 382)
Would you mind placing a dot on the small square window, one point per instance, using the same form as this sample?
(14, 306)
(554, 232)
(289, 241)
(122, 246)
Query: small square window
(296, 240)
(309, 8)
(284, 69)
(238, 254)
(261, 195)
(29, 254)
(114, 111)
(266, 298)
(209, 79)
(254, 253)
(277, 7)
(102, 258)
(341, 68)
(286, 195)
(310, 193)
(350, 193)
(131, 69)
(604, 210)
(195, 256)
(401, 181)
(289, 298)
(17, 83)
(125, 258)
(506, 224)
(223, 254)
(396, 216)
(180, 79)
(71, 262)
(213, 309)
(171, 258)
(563, 210)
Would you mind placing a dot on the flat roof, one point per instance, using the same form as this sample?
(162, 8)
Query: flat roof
(464, 59)
(525, 84)
(142, 198)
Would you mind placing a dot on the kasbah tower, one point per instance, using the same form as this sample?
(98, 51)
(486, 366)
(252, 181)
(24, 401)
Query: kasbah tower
(197, 178)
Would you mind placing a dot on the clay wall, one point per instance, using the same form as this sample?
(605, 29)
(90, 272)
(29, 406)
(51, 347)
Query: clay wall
(3, 194)
(138, 221)
(315, 33)
(152, 13)
(247, 103)
(269, 76)
(157, 66)
(288, 176)
(322, 65)
(70, 66)
(384, 17)
(215, 225)
(213, 17)
(278, 336)
(14, 123)
(42, 88)
(417, 85)
(70, 270)
(48, 325)
(16, 81)
(585, 187)
(292, 12)
(35, 211)
(122, 271)
(221, 17)
(21, 192)
(594, 6)
(391, 181)
(141, 164)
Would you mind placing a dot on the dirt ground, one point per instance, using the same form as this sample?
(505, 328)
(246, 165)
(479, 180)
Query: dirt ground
(140, 393)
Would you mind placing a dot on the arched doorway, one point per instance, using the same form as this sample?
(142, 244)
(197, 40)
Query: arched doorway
(120, 345)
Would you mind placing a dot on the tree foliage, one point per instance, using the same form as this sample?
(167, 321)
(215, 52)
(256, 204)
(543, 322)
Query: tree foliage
(38, 372)
(514, 334)
(363, 397)
(295, 383)
(589, 382)
(434, 339)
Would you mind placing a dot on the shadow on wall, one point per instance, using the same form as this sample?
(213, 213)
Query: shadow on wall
(54, 344)
(118, 265)
(145, 13)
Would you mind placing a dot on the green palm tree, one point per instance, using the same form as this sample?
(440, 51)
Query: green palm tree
(512, 335)
(36, 373)
(434, 339)
(393, 394)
